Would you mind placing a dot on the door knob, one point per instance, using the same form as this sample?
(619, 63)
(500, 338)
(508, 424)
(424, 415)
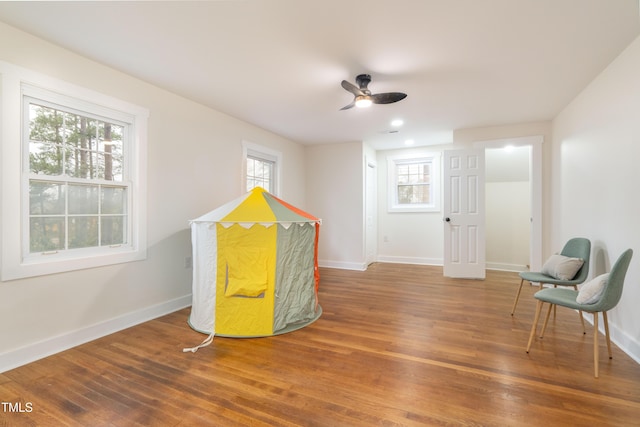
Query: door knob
(447, 219)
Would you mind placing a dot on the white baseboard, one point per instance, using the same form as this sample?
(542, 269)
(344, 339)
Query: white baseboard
(409, 260)
(30, 353)
(342, 265)
(620, 338)
(413, 260)
(506, 267)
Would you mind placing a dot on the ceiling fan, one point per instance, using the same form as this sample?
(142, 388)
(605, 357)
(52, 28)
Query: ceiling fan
(364, 97)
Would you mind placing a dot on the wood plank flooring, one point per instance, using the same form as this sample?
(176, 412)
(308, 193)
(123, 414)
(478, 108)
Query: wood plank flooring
(397, 345)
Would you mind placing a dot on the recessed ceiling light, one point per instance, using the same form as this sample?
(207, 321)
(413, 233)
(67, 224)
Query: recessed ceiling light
(409, 142)
(397, 123)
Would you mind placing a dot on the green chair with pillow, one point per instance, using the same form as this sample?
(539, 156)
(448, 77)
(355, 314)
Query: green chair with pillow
(569, 268)
(596, 296)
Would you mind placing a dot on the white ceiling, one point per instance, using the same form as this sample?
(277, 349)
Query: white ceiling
(278, 63)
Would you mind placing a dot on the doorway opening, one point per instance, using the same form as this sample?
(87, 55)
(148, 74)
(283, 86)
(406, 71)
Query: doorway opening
(508, 208)
(532, 144)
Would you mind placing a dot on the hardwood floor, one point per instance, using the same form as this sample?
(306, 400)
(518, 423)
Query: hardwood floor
(396, 345)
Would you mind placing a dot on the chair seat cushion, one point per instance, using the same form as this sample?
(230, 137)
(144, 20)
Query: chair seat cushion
(562, 267)
(566, 298)
(591, 292)
(561, 296)
(537, 277)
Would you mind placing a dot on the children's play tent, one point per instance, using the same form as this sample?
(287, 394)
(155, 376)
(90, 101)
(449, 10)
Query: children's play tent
(255, 268)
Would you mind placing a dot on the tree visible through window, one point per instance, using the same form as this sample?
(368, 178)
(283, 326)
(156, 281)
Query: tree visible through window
(77, 189)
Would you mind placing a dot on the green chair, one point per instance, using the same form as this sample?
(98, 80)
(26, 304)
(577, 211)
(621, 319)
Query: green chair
(567, 298)
(578, 247)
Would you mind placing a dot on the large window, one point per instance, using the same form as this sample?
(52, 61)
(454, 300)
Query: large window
(73, 177)
(262, 168)
(414, 184)
(78, 183)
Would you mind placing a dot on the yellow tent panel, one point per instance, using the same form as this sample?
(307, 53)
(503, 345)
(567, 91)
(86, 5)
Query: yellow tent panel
(246, 280)
(253, 209)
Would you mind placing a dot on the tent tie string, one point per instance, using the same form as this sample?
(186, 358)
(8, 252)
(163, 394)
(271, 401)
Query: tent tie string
(204, 343)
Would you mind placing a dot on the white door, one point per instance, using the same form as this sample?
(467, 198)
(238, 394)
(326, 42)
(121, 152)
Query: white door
(463, 219)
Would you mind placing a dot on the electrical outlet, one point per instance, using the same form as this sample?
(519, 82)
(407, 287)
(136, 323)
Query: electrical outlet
(188, 262)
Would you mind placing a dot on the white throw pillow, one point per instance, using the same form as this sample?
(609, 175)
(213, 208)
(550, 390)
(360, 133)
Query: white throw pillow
(562, 267)
(591, 292)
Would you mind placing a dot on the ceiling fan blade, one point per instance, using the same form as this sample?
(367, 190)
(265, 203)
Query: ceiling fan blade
(346, 107)
(388, 98)
(352, 88)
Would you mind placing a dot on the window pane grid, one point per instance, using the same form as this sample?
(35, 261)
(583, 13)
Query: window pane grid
(71, 157)
(71, 216)
(259, 173)
(68, 144)
(413, 183)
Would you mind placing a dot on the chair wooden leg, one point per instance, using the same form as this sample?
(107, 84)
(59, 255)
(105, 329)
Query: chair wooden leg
(606, 332)
(515, 303)
(535, 324)
(584, 330)
(546, 320)
(595, 343)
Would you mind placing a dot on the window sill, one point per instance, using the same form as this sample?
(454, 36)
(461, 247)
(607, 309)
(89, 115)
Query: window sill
(43, 265)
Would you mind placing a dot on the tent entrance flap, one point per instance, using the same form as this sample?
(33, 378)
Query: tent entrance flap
(248, 258)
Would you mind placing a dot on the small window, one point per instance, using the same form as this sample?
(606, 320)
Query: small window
(260, 173)
(262, 168)
(414, 184)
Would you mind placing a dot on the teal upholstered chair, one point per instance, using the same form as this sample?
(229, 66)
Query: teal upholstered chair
(567, 298)
(578, 247)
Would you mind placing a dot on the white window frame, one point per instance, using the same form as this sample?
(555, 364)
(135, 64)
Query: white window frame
(392, 166)
(249, 149)
(17, 262)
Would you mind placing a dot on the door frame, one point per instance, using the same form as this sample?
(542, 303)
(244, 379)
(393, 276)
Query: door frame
(370, 211)
(535, 182)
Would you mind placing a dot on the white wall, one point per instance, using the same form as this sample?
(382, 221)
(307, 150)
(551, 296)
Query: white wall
(194, 165)
(507, 225)
(594, 193)
(335, 185)
(407, 237)
(508, 208)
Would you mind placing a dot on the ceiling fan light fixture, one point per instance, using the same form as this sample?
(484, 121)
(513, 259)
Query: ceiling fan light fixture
(363, 101)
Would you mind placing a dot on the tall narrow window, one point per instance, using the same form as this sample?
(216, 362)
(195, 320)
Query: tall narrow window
(414, 184)
(260, 173)
(262, 168)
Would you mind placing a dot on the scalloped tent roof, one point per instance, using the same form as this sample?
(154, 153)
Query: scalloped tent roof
(255, 268)
(257, 206)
